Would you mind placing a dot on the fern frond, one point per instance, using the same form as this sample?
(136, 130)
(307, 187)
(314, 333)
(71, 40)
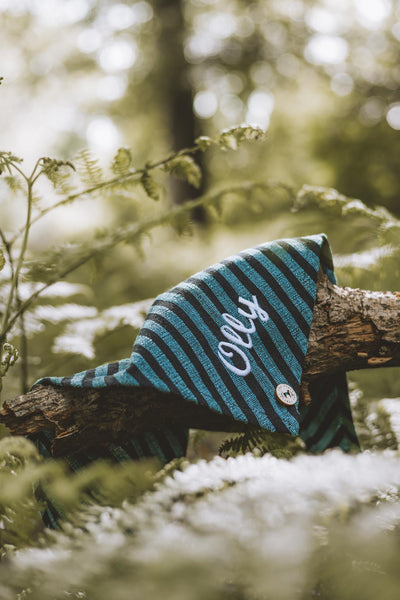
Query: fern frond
(65, 185)
(339, 205)
(89, 168)
(262, 442)
(14, 183)
(152, 188)
(230, 139)
(203, 142)
(122, 162)
(7, 160)
(184, 167)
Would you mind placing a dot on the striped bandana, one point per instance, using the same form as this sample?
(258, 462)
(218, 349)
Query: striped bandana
(233, 339)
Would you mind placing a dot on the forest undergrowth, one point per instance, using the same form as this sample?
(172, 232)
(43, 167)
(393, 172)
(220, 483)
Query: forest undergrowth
(262, 520)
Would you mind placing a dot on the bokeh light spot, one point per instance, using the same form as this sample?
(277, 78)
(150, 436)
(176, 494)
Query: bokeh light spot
(205, 104)
(326, 49)
(371, 13)
(111, 87)
(322, 20)
(143, 12)
(102, 135)
(259, 108)
(120, 16)
(393, 116)
(117, 56)
(221, 25)
(89, 40)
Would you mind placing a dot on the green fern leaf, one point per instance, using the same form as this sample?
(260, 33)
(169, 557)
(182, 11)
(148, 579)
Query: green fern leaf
(14, 183)
(2, 260)
(230, 139)
(6, 161)
(226, 141)
(181, 223)
(55, 169)
(122, 162)
(184, 167)
(203, 142)
(262, 442)
(152, 188)
(89, 168)
(64, 185)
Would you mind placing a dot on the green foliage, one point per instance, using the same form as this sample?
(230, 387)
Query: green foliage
(19, 509)
(122, 162)
(75, 180)
(8, 160)
(312, 527)
(203, 142)
(153, 189)
(201, 530)
(232, 138)
(89, 169)
(339, 205)
(8, 357)
(261, 442)
(51, 168)
(27, 482)
(184, 167)
(249, 527)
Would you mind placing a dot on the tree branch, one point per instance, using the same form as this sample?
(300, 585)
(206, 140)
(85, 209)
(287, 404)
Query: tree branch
(352, 329)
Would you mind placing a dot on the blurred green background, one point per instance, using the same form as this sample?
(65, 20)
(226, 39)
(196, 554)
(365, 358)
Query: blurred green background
(321, 77)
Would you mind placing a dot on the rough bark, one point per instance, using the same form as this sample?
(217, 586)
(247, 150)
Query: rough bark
(351, 329)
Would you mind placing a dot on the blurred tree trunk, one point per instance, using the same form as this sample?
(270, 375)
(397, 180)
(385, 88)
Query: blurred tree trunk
(176, 91)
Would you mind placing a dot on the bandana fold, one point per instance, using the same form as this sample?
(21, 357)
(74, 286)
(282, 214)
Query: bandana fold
(225, 339)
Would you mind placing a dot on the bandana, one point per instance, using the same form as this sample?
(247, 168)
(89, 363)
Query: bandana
(233, 339)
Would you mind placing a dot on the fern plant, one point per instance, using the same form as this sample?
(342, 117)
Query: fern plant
(260, 442)
(73, 181)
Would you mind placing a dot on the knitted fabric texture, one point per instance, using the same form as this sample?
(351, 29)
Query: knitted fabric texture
(225, 339)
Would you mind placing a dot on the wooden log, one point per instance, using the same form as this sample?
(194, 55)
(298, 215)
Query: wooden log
(351, 329)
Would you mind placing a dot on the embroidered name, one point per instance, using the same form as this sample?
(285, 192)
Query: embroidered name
(239, 336)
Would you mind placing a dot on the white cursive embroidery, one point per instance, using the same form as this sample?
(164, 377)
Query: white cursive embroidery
(239, 335)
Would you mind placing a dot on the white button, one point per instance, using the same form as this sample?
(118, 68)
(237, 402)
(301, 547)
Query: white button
(286, 394)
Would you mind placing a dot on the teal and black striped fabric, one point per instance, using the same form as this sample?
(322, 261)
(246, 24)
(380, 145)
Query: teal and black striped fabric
(224, 339)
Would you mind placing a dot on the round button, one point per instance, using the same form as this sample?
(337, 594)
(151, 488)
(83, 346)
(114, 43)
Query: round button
(286, 394)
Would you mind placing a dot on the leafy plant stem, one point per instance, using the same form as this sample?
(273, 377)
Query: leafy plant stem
(15, 279)
(23, 335)
(134, 232)
(137, 173)
(5, 241)
(23, 351)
